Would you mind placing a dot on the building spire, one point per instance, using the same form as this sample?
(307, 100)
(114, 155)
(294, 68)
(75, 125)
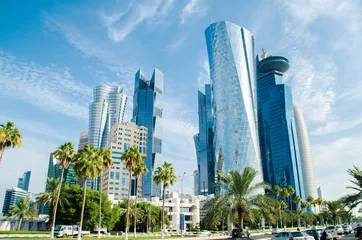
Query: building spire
(264, 54)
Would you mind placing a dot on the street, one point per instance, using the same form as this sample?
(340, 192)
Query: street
(268, 236)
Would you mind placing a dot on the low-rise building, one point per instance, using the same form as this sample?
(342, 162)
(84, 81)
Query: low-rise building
(11, 198)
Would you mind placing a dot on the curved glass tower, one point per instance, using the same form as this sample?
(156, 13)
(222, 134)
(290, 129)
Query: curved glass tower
(232, 72)
(310, 186)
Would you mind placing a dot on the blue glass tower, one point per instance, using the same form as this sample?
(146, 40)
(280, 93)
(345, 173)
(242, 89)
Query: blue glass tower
(147, 111)
(24, 181)
(277, 128)
(232, 72)
(204, 144)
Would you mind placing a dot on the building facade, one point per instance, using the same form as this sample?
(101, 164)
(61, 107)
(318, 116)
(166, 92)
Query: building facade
(11, 198)
(232, 72)
(196, 183)
(204, 143)
(83, 139)
(277, 127)
(24, 181)
(116, 178)
(106, 110)
(147, 111)
(54, 171)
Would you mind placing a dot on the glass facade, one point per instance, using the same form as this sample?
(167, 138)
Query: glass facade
(232, 72)
(24, 181)
(147, 111)
(204, 144)
(106, 110)
(11, 198)
(277, 128)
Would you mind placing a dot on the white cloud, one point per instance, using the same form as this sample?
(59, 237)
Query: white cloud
(49, 88)
(176, 45)
(332, 161)
(337, 126)
(192, 9)
(204, 74)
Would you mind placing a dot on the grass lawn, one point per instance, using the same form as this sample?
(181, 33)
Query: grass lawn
(24, 232)
(114, 238)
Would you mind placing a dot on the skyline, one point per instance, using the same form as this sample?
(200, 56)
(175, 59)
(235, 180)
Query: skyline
(85, 48)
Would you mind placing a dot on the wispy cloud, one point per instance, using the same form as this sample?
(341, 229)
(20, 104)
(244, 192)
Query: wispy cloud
(123, 22)
(337, 126)
(192, 9)
(204, 74)
(46, 87)
(177, 44)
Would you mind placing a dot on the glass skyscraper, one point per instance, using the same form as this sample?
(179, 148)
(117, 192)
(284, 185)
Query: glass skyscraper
(277, 128)
(204, 144)
(232, 72)
(11, 198)
(24, 181)
(106, 110)
(147, 111)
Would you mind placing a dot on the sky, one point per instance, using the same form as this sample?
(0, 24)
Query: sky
(53, 53)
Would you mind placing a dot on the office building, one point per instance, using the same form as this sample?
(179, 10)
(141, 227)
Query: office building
(232, 72)
(106, 110)
(24, 181)
(54, 171)
(319, 190)
(11, 198)
(196, 183)
(204, 143)
(277, 127)
(116, 178)
(147, 111)
(83, 139)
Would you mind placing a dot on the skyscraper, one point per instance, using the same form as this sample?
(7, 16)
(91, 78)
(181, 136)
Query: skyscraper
(278, 136)
(106, 110)
(147, 111)
(24, 181)
(83, 139)
(196, 183)
(11, 198)
(54, 171)
(204, 143)
(116, 178)
(310, 186)
(232, 72)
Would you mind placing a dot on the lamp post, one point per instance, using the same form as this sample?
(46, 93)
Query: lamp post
(182, 222)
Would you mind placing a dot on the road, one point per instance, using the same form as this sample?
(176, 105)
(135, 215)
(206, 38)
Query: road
(268, 237)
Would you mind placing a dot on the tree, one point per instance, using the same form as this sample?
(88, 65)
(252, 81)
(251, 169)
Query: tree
(284, 194)
(10, 137)
(282, 206)
(291, 191)
(166, 175)
(139, 170)
(333, 209)
(86, 165)
(310, 200)
(277, 190)
(241, 192)
(356, 198)
(21, 210)
(64, 154)
(297, 200)
(104, 156)
(131, 157)
(51, 195)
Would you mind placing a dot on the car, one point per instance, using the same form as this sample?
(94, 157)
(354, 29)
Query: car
(275, 230)
(307, 236)
(347, 229)
(297, 235)
(358, 232)
(234, 234)
(205, 232)
(329, 236)
(332, 229)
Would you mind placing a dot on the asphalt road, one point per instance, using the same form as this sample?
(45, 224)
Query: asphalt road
(268, 237)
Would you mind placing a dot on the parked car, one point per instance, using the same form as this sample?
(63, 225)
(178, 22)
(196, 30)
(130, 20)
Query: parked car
(68, 230)
(337, 228)
(205, 232)
(358, 232)
(234, 233)
(288, 236)
(307, 236)
(347, 229)
(329, 236)
(275, 231)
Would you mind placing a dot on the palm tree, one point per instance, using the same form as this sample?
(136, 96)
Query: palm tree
(139, 170)
(277, 190)
(51, 195)
(297, 200)
(284, 194)
(64, 154)
(86, 165)
(10, 137)
(149, 213)
(310, 200)
(241, 192)
(104, 156)
(282, 206)
(166, 175)
(22, 210)
(131, 157)
(356, 198)
(333, 209)
(291, 191)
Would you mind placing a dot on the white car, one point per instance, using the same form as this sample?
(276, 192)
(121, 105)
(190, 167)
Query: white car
(275, 231)
(289, 236)
(307, 236)
(205, 232)
(332, 229)
(347, 229)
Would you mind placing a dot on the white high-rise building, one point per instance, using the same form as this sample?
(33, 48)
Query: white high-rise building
(310, 186)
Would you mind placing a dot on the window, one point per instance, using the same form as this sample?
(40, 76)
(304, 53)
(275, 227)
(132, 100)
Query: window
(112, 175)
(111, 183)
(126, 146)
(117, 175)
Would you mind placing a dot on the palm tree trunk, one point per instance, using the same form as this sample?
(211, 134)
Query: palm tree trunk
(56, 204)
(147, 225)
(100, 206)
(2, 154)
(291, 209)
(240, 223)
(83, 205)
(135, 210)
(163, 213)
(19, 224)
(129, 203)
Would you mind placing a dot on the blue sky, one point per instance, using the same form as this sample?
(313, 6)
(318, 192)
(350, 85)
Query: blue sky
(52, 53)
